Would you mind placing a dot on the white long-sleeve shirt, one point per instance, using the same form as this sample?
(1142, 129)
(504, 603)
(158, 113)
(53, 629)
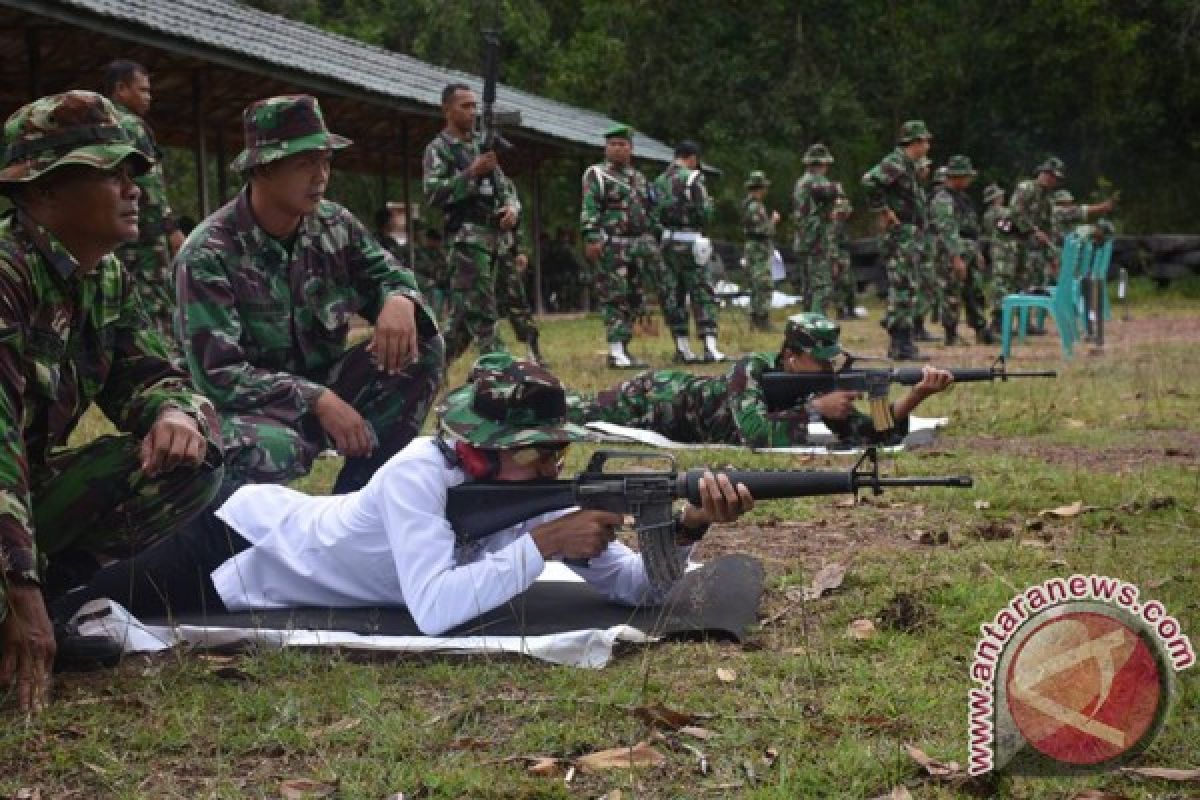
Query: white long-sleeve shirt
(390, 544)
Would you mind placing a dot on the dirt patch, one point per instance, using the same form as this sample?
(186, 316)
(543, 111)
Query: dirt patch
(1171, 447)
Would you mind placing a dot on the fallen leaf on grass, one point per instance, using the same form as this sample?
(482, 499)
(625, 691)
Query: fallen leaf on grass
(543, 765)
(341, 726)
(1074, 423)
(897, 793)
(28, 794)
(770, 756)
(1072, 510)
(980, 505)
(304, 789)
(935, 768)
(726, 675)
(1158, 583)
(849, 502)
(1164, 773)
(861, 629)
(701, 758)
(615, 794)
(697, 732)
(641, 754)
(1099, 794)
(1057, 563)
(828, 578)
(1034, 543)
(469, 743)
(659, 716)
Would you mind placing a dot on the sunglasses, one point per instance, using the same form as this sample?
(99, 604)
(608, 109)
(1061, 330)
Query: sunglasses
(545, 454)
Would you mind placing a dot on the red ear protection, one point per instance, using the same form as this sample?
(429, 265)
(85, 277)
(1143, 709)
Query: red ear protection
(478, 463)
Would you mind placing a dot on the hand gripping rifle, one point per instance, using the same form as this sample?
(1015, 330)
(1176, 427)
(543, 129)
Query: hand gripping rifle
(786, 390)
(481, 508)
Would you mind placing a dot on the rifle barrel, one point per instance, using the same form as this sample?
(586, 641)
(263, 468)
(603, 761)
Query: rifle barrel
(956, 481)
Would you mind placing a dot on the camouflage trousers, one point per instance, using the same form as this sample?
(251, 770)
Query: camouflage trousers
(845, 292)
(261, 449)
(95, 500)
(954, 293)
(654, 400)
(1006, 255)
(758, 273)
(619, 289)
(149, 268)
(511, 299)
(904, 248)
(435, 294)
(471, 300)
(929, 293)
(820, 283)
(647, 258)
(1038, 264)
(684, 280)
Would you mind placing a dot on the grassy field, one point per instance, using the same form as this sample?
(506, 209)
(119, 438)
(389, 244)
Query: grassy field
(807, 710)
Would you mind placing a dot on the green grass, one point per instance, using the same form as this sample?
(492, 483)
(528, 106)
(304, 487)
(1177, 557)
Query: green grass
(836, 710)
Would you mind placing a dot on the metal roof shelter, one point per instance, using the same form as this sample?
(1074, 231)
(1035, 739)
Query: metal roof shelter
(211, 58)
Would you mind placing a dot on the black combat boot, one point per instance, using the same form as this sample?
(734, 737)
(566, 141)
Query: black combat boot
(762, 322)
(919, 332)
(902, 347)
(535, 353)
(952, 339)
(983, 335)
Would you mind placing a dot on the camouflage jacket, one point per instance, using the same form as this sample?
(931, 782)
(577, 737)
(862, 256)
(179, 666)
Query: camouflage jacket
(1064, 218)
(616, 202)
(955, 223)
(155, 218)
(430, 263)
(893, 183)
(461, 198)
(396, 248)
(68, 339)
(756, 220)
(1032, 208)
(812, 201)
(681, 199)
(261, 319)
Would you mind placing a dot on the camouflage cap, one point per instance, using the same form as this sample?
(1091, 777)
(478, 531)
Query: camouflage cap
(912, 130)
(75, 127)
(508, 404)
(813, 333)
(282, 126)
(818, 154)
(960, 167)
(992, 192)
(757, 180)
(1053, 164)
(619, 131)
(1064, 197)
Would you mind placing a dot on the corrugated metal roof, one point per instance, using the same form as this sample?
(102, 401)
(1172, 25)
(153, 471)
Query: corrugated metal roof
(227, 31)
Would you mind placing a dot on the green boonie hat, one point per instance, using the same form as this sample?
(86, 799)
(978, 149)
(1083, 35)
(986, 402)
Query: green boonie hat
(1064, 197)
(912, 130)
(508, 404)
(75, 127)
(992, 192)
(1053, 164)
(960, 167)
(282, 126)
(757, 180)
(818, 154)
(813, 333)
(619, 131)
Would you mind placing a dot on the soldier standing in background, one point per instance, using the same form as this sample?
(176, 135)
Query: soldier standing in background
(148, 260)
(430, 268)
(896, 195)
(512, 301)
(1002, 251)
(615, 216)
(758, 226)
(812, 200)
(929, 293)
(477, 204)
(961, 267)
(845, 298)
(682, 209)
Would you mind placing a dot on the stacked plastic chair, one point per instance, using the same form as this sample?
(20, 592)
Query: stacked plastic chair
(1061, 303)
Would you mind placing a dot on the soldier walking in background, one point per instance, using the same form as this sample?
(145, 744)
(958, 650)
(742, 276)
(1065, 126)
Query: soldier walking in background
(812, 201)
(929, 291)
(477, 203)
(148, 260)
(845, 292)
(682, 209)
(615, 217)
(896, 195)
(758, 226)
(961, 266)
(512, 301)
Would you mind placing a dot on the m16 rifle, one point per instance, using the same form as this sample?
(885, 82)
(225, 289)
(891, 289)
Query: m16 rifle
(481, 508)
(489, 119)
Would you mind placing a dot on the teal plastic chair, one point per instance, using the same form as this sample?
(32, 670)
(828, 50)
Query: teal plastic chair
(1061, 304)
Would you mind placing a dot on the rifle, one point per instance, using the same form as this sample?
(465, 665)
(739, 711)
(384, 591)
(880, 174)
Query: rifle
(787, 390)
(489, 131)
(481, 508)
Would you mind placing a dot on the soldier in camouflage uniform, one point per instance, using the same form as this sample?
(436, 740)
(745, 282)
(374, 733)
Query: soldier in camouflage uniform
(895, 193)
(682, 208)
(615, 222)
(1003, 252)
(812, 203)
(478, 204)
(845, 291)
(73, 332)
(758, 226)
(511, 298)
(731, 408)
(929, 296)
(391, 543)
(961, 269)
(267, 287)
(431, 269)
(147, 260)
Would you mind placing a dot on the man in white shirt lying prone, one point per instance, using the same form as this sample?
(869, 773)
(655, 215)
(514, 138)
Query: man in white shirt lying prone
(390, 544)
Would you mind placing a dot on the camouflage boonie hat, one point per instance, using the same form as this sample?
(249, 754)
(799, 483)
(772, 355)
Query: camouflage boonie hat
(508, 404)
(282, 126)
(814, 334)
(960, 167)
(818, 154)
(75, 127)
(912, 130)
(992, 192)
(1064, 197)
(619, 132)
(1053, 164)
(757, 180)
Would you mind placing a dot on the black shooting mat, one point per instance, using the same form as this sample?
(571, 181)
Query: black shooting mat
(718, 600)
